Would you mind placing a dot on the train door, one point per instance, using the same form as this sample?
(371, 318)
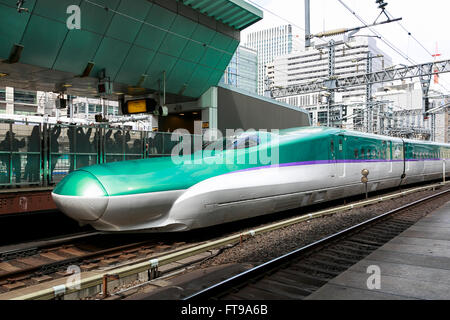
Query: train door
(409, 152)
(389, 156)
(341, 164)
(339, 156)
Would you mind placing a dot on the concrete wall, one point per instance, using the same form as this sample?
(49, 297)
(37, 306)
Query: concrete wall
(238, 110)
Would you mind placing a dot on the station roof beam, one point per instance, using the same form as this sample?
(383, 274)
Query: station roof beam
(237, 14)
(134, 42)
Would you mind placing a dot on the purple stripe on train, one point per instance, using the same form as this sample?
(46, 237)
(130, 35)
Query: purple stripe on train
(307, 163)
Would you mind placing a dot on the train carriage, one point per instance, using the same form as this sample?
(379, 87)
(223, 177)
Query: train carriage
(254, 174)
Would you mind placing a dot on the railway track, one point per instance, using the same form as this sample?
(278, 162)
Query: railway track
(31, 248)
(301, 272)
(124, 259)
(34, 265)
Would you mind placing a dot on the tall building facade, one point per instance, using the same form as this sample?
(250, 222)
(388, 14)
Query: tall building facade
(272, 43)
(242, 71)
(351, 58)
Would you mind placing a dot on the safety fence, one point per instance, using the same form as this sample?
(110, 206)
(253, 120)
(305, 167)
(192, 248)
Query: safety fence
(41, 154)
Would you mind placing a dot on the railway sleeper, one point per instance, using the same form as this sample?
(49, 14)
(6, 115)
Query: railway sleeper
(284, 291)
(342, 254)
(363, 240)
(357, 244)
(325, 266)
(333, 263)
(335, 257)
(400, 223)
(251, 292)
(303, 277)
(388, 229)
(315, 270)
(377, 235)
(352, 249)
(288, 281)
(8, 256)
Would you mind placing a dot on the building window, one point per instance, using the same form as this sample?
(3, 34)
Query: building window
(25, 97)
(322, 118)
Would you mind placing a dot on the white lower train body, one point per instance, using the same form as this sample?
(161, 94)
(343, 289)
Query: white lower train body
(244, 194)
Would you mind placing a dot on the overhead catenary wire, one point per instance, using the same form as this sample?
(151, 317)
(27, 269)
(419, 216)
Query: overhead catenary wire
(420, 44)
(261, 7)
(289, 22)
(387, 42)
(278, 16)
(410, 34)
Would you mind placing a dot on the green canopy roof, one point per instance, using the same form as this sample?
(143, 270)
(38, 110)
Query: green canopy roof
(134, 41)
(237, 14)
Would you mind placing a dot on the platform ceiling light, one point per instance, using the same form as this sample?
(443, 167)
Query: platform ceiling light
(181, 114)
(87, 70)
(15, 54)
(2, 74)
(67, 85)
(141, 80)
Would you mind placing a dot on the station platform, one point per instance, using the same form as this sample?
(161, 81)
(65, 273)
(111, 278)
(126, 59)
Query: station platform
(414, 265)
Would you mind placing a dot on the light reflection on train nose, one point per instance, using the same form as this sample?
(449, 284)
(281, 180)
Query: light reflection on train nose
(81, 196)
(82, 209)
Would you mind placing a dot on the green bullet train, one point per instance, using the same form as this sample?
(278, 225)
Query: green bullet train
(249, 175)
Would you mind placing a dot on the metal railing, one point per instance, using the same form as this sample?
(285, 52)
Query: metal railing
(42, 154)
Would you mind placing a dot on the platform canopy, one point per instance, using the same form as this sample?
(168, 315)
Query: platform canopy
(135, 42)
(237, 14)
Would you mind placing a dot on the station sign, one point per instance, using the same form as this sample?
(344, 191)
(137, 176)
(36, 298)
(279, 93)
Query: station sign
(147, 105)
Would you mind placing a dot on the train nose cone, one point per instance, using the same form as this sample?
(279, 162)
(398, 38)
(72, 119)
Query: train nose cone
(81, 196)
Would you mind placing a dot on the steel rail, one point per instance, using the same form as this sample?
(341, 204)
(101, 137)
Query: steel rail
(38, 245)
(243, 278)
(48, 267)
(149, 264)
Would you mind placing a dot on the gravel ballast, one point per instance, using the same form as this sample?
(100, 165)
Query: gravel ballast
(273, 244)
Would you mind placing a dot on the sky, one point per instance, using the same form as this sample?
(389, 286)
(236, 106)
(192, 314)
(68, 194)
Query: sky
(427, 21)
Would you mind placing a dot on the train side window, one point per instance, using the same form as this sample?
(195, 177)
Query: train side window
(363, 154)
(332, 146)
(244, 142)
(356, 153)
